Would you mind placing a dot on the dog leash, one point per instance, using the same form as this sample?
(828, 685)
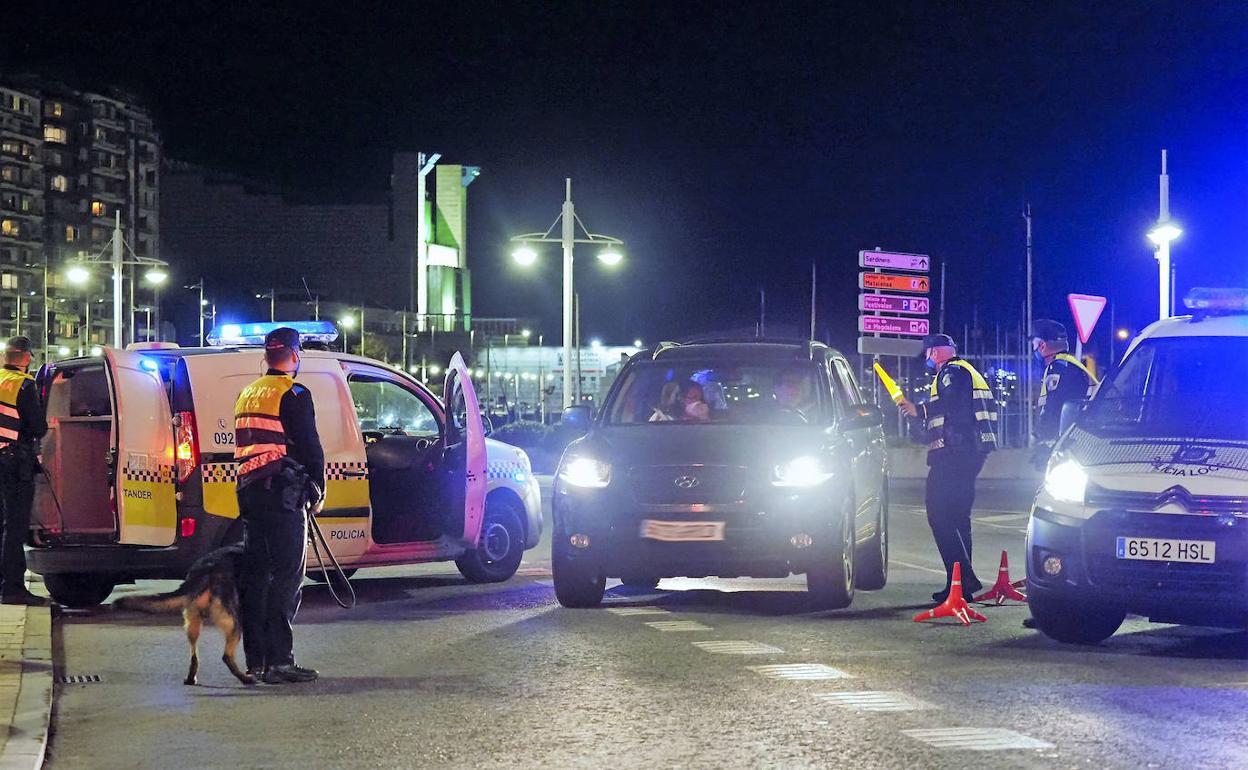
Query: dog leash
(314, 533)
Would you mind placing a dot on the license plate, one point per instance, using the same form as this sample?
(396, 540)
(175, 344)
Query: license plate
(1157, 549)
(682, 531)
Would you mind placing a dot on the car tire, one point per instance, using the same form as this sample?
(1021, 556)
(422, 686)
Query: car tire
(640, 581)
(830, 584)
(872, 565)
(317, 576)
(578, 582)
(1073, 622)
(78, 590)
(501, 549)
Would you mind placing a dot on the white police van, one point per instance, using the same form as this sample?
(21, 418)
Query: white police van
(1144, 507)
(140, 471)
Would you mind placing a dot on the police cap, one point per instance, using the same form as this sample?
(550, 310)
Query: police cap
(282, 338)
(1049, 331)
(17, 345)
(938, 341)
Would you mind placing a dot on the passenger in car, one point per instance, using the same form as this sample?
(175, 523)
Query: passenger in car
(670, 404)
(695, 406)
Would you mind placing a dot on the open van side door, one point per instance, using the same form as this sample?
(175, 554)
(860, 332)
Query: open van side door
(143, 451)
(464, 447)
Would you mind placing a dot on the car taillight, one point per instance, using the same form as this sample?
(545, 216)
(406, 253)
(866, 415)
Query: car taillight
(187, 445)
(188, 527)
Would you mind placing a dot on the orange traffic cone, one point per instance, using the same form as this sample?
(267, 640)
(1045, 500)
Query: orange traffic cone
(1003, 589)
(955, 606)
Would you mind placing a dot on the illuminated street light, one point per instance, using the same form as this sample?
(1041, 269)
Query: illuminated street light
(78, 275)
(347, 322)
(595, 344)
(524, 256)
(526, 333)
(435, 370)
(156, 276)
(1164, 233)
(638, 344)
(1123, 334)
(610, 257)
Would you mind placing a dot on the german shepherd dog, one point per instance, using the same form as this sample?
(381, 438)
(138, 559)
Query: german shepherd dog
(209, 594)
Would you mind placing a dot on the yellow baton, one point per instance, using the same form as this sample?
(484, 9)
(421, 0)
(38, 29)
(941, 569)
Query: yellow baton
(889, 384)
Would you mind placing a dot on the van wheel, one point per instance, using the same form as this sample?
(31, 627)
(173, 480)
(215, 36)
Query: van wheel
(830, 583)
(316, 576)
(1074, 623)
(501, 549)
(78, 590)
(578, 582)
(873, 561)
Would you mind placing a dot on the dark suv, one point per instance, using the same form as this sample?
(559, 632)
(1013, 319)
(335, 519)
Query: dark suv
(754, 458)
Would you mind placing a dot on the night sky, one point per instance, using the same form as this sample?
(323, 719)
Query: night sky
(730, 144)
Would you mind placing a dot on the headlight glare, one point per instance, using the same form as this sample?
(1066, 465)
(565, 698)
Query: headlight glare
(804, 471)
(1066, 482)
(586, 472)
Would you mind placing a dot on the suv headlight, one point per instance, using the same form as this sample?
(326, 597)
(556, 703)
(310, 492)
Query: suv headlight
(1066, 481)
(804, 471)
(585, 472)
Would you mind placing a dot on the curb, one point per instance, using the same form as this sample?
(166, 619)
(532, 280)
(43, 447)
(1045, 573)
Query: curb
(28, 734)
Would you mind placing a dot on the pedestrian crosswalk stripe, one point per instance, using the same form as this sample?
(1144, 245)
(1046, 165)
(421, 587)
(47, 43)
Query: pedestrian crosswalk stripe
(872, 700)
(625, 611)
(533, 572)
(738, 648)
(804, 671)
(677, 625)
(976, 738)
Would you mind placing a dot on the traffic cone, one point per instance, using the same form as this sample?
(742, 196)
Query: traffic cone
(1003, 589)
(955, 606)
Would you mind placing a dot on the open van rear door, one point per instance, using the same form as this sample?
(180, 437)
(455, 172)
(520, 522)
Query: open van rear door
(143, 442)
(464, 447)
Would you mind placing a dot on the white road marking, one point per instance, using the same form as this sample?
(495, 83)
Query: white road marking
(804, 671)
(911, 565)
(738, 648)
(678, 625)
(626, 611)
(533, 572)
(976, 738)
(874, 700)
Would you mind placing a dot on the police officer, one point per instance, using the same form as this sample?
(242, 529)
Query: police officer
(958, 424)
(281, 473)
(1066, 380)
(22, 424)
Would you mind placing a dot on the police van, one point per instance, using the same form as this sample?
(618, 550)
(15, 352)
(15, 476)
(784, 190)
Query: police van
(140, 475)
(1144, 506)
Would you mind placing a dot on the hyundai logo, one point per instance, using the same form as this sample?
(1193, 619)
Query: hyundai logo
(686, 482)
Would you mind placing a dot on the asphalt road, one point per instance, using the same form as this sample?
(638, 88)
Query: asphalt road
(432, 672)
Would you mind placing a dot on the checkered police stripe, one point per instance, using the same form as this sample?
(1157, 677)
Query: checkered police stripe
(219, 473)
(503, 470)
(227, 472)
(340, 471)
(161, 473)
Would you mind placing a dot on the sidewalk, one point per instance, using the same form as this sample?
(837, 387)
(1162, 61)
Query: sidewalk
(25, 685)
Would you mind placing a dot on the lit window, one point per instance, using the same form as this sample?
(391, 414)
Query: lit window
(60, 183)
(55, 134)
(10, 227)
(71, 233)
(55, 109)
(8, 281)
(8, 174)
(97, 209)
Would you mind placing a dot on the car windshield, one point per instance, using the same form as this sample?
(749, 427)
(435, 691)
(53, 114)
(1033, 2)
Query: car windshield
(687, 392)
(1186, 387)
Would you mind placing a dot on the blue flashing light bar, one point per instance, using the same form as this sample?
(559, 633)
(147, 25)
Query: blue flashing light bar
(1217, 300)
(254, 333)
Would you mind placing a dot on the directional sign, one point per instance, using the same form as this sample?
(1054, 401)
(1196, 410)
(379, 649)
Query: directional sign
(894, 261)
(879, 324)
(919, 284)
(1086, 308)
(894, 303)
(889, 346)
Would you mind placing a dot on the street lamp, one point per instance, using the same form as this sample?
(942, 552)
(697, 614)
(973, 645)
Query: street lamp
(117, 261)
(77, 275)
(1162, 234)
(525, 255)
(272, 298)
(637, 343)
(156, 276)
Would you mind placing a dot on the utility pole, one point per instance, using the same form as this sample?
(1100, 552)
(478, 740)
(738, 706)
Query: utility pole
(117, 343)
(813, 293)
(762, 312)
(1028, 311)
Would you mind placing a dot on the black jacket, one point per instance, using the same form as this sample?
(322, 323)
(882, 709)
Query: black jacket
(303, 443)
(1064, 383)
(956, 404)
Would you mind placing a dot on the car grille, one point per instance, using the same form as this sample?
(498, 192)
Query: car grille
(1142, 578)
(1144, 501)
(688, 484)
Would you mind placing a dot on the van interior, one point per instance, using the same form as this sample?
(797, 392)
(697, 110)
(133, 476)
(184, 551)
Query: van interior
(75, 496)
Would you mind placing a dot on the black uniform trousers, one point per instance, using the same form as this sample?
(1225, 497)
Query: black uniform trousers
(17, 493)
(274, 550)
(950, 496)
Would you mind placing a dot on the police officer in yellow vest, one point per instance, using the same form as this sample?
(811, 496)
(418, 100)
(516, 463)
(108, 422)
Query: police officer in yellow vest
(22, 424)
(281, 475)
(959, 426)
(1066, 380)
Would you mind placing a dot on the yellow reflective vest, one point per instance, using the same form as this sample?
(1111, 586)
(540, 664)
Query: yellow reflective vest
(11, 382)
(985, 410)
(259, 437)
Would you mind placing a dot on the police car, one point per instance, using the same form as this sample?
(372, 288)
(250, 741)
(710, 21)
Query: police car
(140, 471)
(1144, 507)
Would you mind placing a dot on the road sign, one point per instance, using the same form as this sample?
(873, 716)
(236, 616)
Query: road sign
(893, 261)
(894, 303)
(889, 346)
(880, 324)
(919, 284)
(1086, 308)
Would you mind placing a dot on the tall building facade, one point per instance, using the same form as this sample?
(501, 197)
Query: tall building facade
(70, 162)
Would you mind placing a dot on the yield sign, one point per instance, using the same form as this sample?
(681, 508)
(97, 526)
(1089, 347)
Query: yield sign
(1086, 308)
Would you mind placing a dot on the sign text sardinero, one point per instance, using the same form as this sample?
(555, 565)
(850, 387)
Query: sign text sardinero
(891, 260)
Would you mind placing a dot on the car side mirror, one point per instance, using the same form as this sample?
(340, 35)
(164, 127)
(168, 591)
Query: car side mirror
(864, 416)
(1070, 414)
(487, 424)
(578, 416)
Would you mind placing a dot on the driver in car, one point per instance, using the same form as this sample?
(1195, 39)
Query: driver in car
(791, 393)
